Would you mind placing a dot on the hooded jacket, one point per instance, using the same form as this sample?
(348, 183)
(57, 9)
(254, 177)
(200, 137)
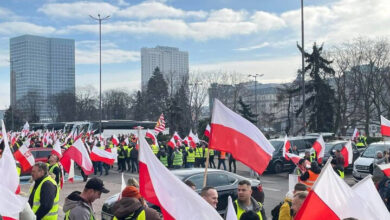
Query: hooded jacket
(79, 209)
(126, 206)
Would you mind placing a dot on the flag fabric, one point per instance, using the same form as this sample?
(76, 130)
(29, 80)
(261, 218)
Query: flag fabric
(161, 187)
(295, 158)
(115, 140)
(123, 186)
(186, 141)
(104, 156)
(177, 137)
(160, 126)
(193, 139)
(355, 134)
(207, 132)
(232, 133)
(231, 213)
(332, 199)
(9, 175)
(385, 168)
(172, 143)
(11, 204)
(57, 149)
(367, 192)
(62, 177)
(26, 129)
(150, 134)
(385, 126)
(319, 147)
(25, 157)
(286, 148)
(71, 172)
(80, 155)
(347, 153)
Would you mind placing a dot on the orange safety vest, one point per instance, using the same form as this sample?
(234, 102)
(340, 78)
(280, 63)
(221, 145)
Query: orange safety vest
(223, 155)
(310, 182)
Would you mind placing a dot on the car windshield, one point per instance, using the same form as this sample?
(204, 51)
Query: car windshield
(277, 145)
(328, 147)
(371, 150)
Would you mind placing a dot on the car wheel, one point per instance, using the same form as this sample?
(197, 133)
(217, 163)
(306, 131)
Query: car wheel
(278, 167)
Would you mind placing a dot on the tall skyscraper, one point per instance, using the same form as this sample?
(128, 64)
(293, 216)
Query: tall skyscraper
(171, 62)
(40, 68)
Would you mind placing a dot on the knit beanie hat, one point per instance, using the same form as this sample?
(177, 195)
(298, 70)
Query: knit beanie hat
(131, 191)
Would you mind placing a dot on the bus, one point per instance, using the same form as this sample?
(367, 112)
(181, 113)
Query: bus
(110, 127)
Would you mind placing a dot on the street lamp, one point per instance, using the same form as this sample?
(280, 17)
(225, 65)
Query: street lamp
(100, 67)
(255, 76)
(303, 71)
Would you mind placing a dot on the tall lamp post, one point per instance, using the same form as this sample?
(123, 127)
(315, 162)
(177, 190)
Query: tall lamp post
(255, 76)
(100, 67)
(303, 71)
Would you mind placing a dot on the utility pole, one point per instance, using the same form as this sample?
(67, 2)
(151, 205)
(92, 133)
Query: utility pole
(303, 72)
(100, 67)
(255, 76)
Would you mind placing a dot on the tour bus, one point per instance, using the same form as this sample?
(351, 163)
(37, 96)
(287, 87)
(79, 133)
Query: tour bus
(110, 127)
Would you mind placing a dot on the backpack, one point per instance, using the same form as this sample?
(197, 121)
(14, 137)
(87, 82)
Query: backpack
(275, 211)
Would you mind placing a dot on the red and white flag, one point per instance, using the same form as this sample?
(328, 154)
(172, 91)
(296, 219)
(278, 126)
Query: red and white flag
(355, 134)
(319, 147)
(80, 155)
(115, 140)
(385, 168)
(385, 126)
(232, 133)
(177, 137)
(62, 176)
(159, 186)
(332, 199)
(193, 139)
(57, 149)
(123, 186)
(347, 153)
(207, 132)
(104, 156)
(172, 143)
(26, 129)
(186, 141)
(286, 148)
(150, 134)
(160, 126)
(11, 204)
(367, 192)
(71, 172)
(25, 157)
(295, 158)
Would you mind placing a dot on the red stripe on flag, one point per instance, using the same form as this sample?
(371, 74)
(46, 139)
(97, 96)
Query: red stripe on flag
(76, 155)
(344, 152)
(314, 208)
(95, 157)
(385, 131)
(240, 146)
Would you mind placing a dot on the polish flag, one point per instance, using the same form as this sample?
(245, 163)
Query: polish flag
(319, 147)
(98, 154)
(172, 143)
(62, 176)
(385, 126)
(25, 157)
(230, 212)
(71, 172)
(115, 140)
(332, 199)
(26, 129)
(14, 138)
(57, 149)
(11, 204)
(232, 133)
(347, 153)
(186, 141)
(177, 137)
(123, 186)
(385, 168)
(159, 186)
(295, 158)
(207, 132)
(355, 134)
(367, 192)
(286, 148)
(80, 155)
(150, 134)
(193, 139)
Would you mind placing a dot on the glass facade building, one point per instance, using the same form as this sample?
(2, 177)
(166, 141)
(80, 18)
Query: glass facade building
(40, 68)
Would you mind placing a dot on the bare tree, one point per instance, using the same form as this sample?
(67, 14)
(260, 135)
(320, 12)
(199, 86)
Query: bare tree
(87, 103)
(116, 104)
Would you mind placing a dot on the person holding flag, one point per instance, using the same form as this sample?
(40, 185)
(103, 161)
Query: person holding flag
(54, 168)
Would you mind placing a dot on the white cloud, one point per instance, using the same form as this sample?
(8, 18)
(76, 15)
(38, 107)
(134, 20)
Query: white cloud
(123, 3)
(108, 56)
(78, 10)
(227, 15)
(157, 10)
(8, 15)
(16, 28)
(267, 21)
(259, 46)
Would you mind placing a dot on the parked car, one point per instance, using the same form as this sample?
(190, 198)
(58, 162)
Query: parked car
(278, 163)
(331, 147)
(226, 184)
(41, 154)
(363, 165)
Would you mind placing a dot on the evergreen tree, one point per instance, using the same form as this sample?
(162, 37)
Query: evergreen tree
(179, 111)
(156, 96)
(320, 95)
(246, 112)
(139, 107)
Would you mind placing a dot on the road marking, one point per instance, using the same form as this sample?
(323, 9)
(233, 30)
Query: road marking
(271, 189)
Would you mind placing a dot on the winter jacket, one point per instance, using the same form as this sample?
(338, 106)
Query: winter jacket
(377, 173)
(126, 206)
(79, 209)
(256, 207)
(284, 211)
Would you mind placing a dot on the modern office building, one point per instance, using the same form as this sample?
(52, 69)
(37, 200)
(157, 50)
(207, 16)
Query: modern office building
(171, 62)
(40, 68)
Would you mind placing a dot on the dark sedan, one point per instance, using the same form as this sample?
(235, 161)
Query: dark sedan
(225, 182)
(331, 147)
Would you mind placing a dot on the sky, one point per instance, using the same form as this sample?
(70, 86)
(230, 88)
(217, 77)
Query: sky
(247, 36)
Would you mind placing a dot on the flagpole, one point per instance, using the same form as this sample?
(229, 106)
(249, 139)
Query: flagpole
(207, 165)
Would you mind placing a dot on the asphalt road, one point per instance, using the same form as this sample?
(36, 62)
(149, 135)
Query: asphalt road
(275, 187)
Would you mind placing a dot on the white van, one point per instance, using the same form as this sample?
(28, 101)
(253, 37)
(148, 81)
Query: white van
(363, 165)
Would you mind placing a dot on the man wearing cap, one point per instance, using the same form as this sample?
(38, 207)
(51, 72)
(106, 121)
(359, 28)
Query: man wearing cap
(78, 205)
